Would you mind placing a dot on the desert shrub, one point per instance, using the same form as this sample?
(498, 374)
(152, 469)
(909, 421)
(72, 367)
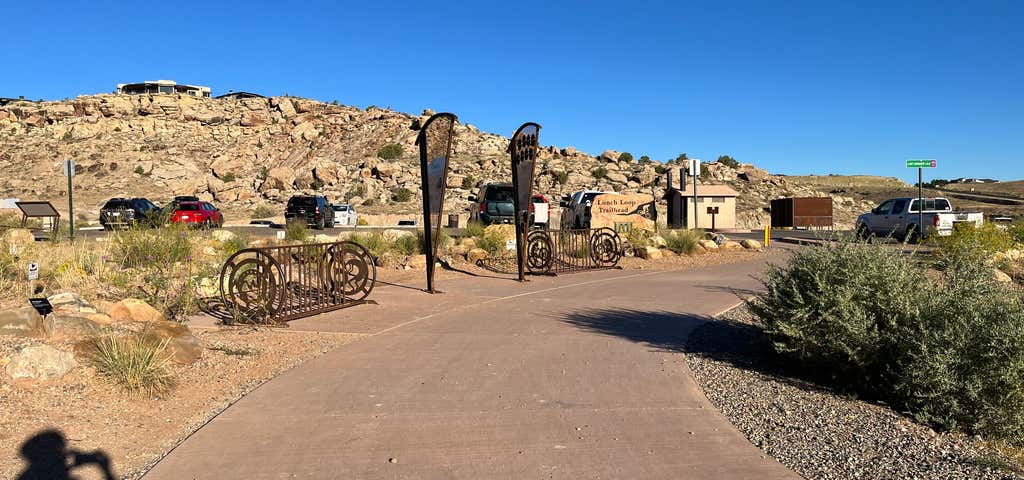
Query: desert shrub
(264, 172)
(146, 247)
(229, 177)
(237, 242)
(474, 229)
(442, 239)
(488, 241)
(683, 241)
(362, 222)
(369, 202)
(139, 170)
(626, 157)
(390, 151)
(263, 211)
(409, 244)
(599, 173)
(1016, 232)
(638, 237)
(645, 160)
(660, 169)
(562, 177)
(374, 242)
(986, 240)
(865, 319)
(357, 191)
(296, 230)
(401, 194)
(728, 161)
(468, 182)
(134, 362)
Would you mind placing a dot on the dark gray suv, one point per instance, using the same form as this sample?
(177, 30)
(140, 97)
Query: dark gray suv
(494, 204)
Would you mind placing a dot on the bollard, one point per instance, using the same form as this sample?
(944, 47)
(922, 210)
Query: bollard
(767, 235)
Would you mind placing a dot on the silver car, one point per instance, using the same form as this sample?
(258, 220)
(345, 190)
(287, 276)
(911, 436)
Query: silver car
(345, 215)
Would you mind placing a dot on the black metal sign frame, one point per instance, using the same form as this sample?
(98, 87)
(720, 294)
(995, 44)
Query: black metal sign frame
(523, 149)
(435, 142)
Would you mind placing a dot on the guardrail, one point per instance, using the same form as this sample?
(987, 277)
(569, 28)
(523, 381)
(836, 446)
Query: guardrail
(281, 283)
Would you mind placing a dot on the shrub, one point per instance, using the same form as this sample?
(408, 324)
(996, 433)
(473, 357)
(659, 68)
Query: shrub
(626, 157)
(317, 184)
(374, 242)
(562, 177)
(361, 221)
(728, 161)
(264, 172)
(354, 192)
(475, 229)
(296, 230)
(146, 247)
(683, 241)
(228, 177)
(139, 170)
(599, 172)
(442, 239)
(409, 244)
(491, 242)
(468, 182)
(401, 194)
(369, 202)
(390, 151)
(660, 169)
(868, 320)
(236, 242)
(644, 160)
(263, 211)
(966, 238)
(134, 362)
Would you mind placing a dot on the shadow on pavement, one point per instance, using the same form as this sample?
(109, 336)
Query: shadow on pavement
(49, 458)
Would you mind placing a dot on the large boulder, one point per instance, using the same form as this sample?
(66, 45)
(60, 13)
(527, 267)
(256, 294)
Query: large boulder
(476, 254)
(1000, 276)
(416, 262)
(71, 327)
(40, 362)
(17, 240)
(22, 322)
(730, 245)
(708, 245)
(279, 178)
(182, 346)
(503, 232)
(648, 253)
(750, 244)
(134, 310)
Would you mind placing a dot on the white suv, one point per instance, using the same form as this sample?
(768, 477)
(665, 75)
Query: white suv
(345, 215)
(576, 209)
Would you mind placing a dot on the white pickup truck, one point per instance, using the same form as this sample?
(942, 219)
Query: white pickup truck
(899, 218)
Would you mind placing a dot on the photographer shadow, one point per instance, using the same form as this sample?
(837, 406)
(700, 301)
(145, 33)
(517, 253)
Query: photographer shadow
(49, 458)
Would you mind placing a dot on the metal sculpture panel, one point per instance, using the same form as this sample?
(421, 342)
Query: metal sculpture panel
(562, 251)
(523, 149)
(277, 284)
(435, 142)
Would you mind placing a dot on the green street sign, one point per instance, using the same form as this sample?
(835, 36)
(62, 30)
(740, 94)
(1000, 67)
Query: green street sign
(920, 163)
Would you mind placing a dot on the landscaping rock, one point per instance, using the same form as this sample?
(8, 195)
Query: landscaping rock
(134, 310)
(708, 245)
(70, 302)
(70, 327)
(658, 241)
(666, 252)
(224, 235)
(730, 245)
(1000, 276)
(476, 254)
(22, 322)
(751, 244)
(40, 362)
(648, 253)
(417, 262)
(183, 347)
(17, 240)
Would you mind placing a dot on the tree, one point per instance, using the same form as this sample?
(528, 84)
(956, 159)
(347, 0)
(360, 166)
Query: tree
(625, 157)
(645, 159)
(727, 161)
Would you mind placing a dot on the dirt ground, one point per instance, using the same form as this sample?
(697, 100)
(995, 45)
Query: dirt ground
(133, 430)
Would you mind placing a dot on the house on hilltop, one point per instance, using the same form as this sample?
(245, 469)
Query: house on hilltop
(238, 95)
(162, 86)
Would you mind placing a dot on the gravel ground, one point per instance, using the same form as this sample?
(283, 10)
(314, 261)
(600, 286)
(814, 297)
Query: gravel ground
(815, 432)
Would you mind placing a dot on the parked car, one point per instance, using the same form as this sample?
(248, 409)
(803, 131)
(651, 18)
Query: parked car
(493, 204)
(540, 211)
(315, 210)
(202, 214)
(345, 214)
(576, 209)
(898, 217)
(128, 212)
(169, 208)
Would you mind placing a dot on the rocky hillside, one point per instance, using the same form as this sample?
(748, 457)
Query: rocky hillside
(257, 152)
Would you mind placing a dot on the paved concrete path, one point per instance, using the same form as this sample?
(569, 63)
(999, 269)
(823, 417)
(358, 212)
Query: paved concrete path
(578, 376)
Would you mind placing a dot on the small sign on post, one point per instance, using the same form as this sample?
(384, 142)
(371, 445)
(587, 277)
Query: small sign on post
(712, 211)
(33, 271)
(920, 164)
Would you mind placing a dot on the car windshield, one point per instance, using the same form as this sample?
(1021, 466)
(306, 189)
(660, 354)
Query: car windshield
(499, 194)
(302, 202)
(188, 207)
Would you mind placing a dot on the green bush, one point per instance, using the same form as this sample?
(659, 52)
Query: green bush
(468, 182)
(362, 222)
(683, 241)
(599, 172)
(374, 242)
(442, 239)
(409, 244)
(645, 160)
(263, 211)
(139, 170)
(727, 161)
(135, 362)
(237, 242)
(626, 157)
(146, 247)
(369, 202)
(986, 240)
(228, 177)
(1016, 231)
(354, 192)
(296, 230)
(562, 177)
(474, 229)
(869, 320)
(401, 194)
(390, 151)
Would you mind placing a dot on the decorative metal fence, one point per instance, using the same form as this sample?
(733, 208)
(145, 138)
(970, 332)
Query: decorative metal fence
(561, 251)
(281, 283)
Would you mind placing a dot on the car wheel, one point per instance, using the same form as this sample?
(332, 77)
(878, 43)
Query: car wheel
(207, 224)
(319, 225)
(913, 235)
(863, 233)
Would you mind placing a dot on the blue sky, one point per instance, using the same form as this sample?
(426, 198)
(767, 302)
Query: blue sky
(796, 87)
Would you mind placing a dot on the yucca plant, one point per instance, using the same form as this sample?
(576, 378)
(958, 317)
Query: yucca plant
(134, 362)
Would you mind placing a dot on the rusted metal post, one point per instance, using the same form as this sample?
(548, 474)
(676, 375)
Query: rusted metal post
(435, 142)
(523, 150)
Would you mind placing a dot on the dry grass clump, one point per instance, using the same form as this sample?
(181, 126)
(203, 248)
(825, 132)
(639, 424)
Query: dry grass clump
(683, 241)
(133, 362)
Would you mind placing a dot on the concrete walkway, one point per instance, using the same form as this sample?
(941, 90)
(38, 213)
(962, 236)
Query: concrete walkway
(572, 377)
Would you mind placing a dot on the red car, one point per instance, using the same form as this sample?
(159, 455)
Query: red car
(202, 214)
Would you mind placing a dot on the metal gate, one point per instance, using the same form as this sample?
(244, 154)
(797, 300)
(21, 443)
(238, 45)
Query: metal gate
(281, 283)
(562, 251)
